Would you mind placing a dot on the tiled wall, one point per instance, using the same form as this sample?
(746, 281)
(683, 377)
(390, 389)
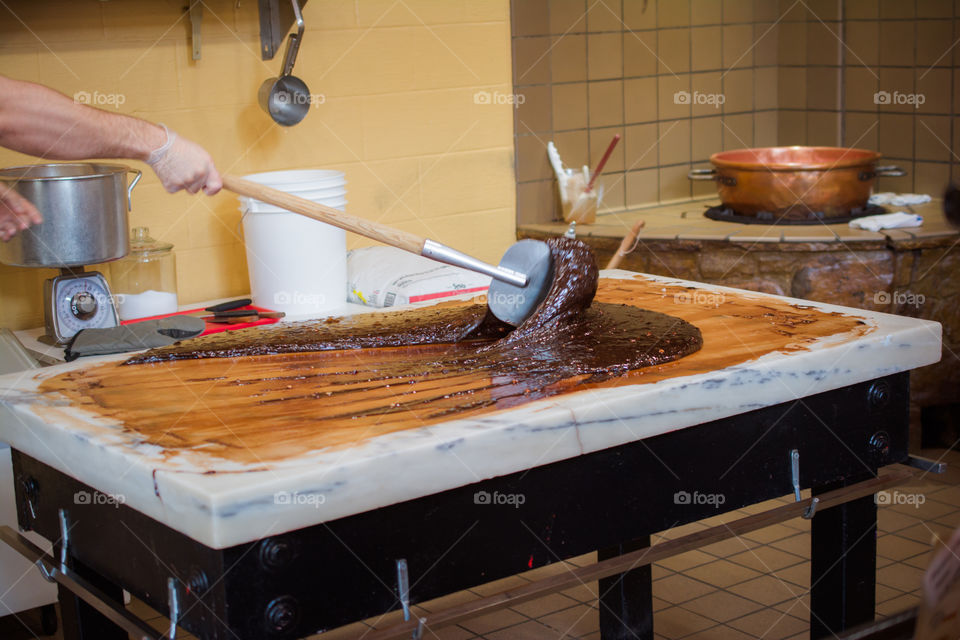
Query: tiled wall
(790, 72)
(835, 76)
(401, 116)
(649, 70)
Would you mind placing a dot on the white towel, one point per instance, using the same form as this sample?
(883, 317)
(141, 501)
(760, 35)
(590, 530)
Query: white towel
(899, 199)
(897, 220)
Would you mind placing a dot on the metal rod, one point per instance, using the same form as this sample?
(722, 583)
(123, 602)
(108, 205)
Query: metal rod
(443, 253)
(403, 586)
(104, 605)
(795, 472)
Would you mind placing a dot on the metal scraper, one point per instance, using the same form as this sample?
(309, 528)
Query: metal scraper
(520, 281)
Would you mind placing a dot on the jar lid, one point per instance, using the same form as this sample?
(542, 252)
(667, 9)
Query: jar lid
(142, 243)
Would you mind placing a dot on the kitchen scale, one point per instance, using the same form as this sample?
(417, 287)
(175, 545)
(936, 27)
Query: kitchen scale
(76, 300)
(84, 207)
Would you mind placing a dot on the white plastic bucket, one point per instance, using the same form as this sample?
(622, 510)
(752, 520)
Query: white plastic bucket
(247, 204)
(299, 178)
(296, 265)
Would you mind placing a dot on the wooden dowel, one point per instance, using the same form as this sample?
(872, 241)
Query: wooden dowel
(640, 557)
(626, 245)
(374, 230)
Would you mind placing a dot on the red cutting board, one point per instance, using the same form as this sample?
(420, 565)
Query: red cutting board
(213, 327)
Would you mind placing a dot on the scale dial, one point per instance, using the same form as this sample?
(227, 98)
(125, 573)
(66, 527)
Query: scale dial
(79, 302)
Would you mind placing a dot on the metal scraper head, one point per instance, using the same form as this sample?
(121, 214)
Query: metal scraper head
(514, 304)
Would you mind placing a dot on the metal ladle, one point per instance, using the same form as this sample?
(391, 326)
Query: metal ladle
(287, 98)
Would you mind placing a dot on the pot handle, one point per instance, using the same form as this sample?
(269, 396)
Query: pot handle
(133, 183)
(891, 171)
(293, 42)
(702, 174)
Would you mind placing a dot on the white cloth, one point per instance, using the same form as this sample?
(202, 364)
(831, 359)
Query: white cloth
(897, 220)
(899, 199)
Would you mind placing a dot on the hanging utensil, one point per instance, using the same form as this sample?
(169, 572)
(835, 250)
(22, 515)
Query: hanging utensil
(286, 98)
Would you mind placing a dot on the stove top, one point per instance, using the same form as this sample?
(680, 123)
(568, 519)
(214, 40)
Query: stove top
(726, 214)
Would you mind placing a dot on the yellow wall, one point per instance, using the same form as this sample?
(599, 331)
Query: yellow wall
(399, 116)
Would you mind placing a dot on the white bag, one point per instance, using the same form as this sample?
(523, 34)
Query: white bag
(387, 277)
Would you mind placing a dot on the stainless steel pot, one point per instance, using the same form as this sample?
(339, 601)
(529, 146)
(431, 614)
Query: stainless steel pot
(84, 207)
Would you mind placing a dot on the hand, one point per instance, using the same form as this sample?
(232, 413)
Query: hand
(16, 213)
(186, 165)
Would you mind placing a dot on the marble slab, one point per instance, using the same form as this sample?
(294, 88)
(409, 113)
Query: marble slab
(242, 504)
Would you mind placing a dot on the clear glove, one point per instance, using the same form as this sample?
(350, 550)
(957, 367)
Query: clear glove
(182, 164)
(16, 213)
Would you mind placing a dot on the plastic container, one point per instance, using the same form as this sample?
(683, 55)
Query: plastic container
(144, 282)
(296, 265)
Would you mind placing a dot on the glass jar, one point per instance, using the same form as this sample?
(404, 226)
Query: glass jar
(144, 282)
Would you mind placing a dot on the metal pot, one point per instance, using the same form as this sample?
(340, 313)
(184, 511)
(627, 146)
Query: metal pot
(84, 207)
(795, 183)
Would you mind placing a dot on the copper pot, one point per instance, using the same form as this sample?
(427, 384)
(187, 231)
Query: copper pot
(795, 183)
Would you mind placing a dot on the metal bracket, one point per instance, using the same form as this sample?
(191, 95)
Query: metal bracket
(418, 632)
(196, 18)
(173, 602)
(810, 511)
(926, 464)
(64, 537)
(795, 472)
(403, 587)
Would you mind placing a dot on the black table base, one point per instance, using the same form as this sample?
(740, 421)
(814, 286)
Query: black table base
(318, 578)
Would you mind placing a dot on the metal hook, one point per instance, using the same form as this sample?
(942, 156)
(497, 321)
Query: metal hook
(403, 586)
(44, 571)
(809, 512)
(418, 632)
(795, 472)
(173, 602)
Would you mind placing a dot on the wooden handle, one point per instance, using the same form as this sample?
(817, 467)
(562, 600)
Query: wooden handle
(625, 245)
(382, 233)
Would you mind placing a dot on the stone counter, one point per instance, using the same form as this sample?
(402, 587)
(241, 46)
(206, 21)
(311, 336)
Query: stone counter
(910, 272)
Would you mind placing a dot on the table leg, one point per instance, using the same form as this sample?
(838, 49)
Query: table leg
(626, 600)
(80, 620)
(843, 567)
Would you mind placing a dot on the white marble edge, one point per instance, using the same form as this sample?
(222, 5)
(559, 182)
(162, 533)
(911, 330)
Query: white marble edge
(226, 509)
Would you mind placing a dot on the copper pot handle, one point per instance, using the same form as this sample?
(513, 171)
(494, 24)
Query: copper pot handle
(711, 174)
(890, 171)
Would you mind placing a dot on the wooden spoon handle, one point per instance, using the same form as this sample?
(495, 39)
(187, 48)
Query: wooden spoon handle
(382, 233)
(626, 246)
